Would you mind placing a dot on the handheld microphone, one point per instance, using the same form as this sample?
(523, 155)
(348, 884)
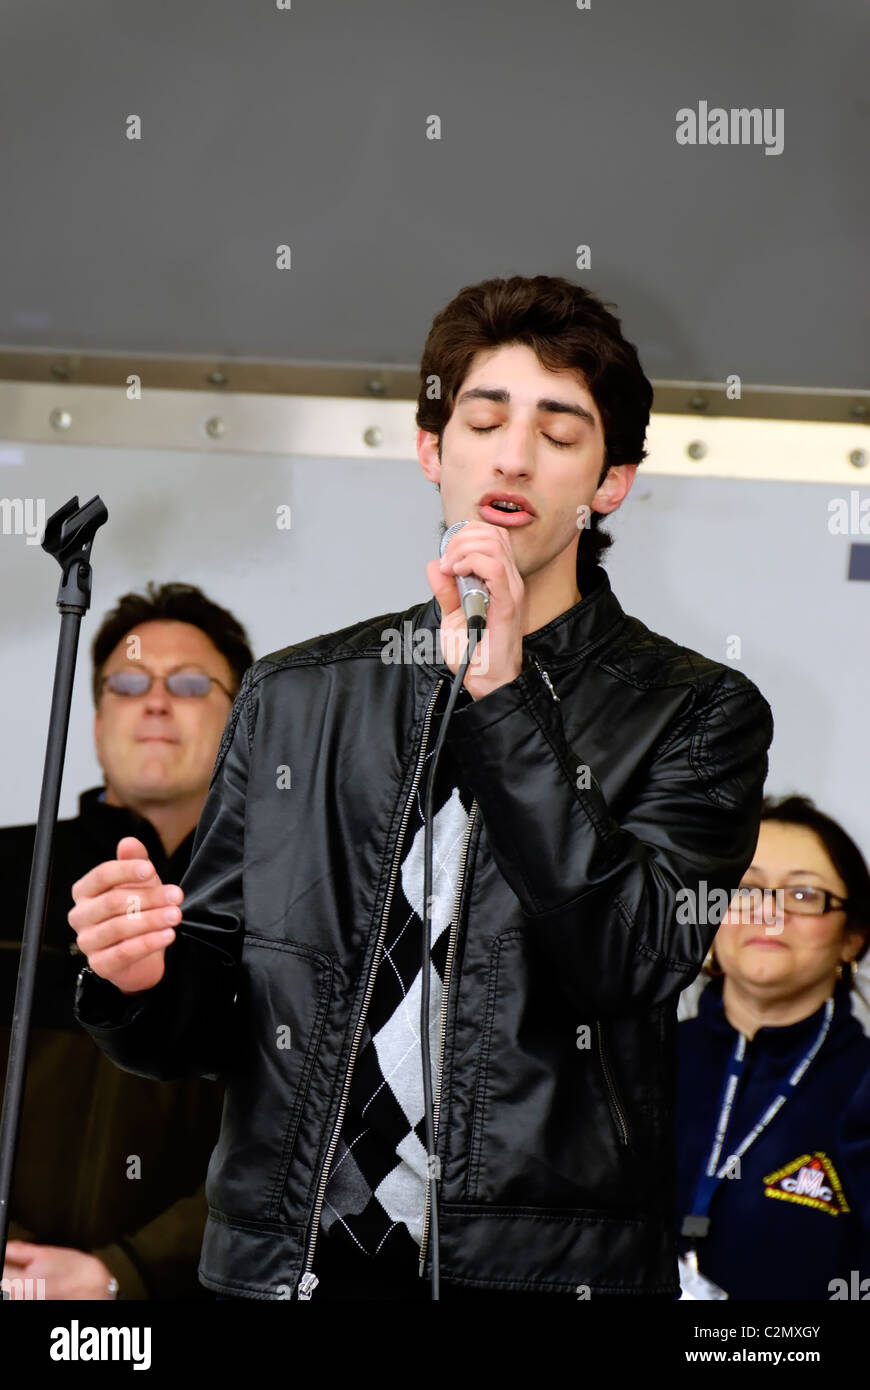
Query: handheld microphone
(473, 593)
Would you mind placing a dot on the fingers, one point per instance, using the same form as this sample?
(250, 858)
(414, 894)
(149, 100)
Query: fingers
(124, 900)
(478, 536)
(443, 587)
(135, 869)
(475, 539)
(113, 895)
(124, 920)
(485, 550)
(113, 962)
(131, 848)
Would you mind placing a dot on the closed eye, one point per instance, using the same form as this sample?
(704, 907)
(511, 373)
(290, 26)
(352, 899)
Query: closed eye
(559, 443)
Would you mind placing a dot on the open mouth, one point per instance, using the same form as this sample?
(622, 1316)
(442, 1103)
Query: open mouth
(505, 511)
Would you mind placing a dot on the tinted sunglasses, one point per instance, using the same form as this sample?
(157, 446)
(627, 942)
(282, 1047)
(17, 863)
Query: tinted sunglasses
(189, 685)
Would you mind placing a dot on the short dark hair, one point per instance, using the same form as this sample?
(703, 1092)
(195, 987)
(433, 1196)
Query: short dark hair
(181, 603)
(840, 848)
(569, 328)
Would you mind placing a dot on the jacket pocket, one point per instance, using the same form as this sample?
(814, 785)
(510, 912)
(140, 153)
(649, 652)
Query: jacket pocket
(548, 1124)
(282, 1003)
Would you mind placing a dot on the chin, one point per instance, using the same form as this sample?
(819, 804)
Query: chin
(157, 784)
(763, 973)
(157, 763)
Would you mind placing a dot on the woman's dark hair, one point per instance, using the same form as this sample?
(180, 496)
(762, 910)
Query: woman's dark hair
(569, 329)
(840, 848)
(181, 603)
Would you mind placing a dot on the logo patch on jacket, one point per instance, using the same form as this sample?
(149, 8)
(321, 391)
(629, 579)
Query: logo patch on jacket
(811, 1181)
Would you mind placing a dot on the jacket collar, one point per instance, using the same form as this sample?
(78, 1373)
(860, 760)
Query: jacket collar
(117, 821)
(92, 806)
(569, 636)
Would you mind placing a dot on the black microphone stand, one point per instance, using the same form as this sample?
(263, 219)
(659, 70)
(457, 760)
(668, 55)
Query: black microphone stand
(475, 626)
(69, 535)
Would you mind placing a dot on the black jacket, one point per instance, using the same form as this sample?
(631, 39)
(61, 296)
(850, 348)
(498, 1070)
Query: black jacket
(557, 1074)
(82, 1119)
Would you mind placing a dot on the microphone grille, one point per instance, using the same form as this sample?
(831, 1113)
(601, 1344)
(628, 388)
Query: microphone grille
(449, 534)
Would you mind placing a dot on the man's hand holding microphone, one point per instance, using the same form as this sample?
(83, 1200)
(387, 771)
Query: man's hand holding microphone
(482, 553)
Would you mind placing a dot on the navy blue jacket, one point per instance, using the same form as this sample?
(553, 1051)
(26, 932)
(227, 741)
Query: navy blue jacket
(797, 1217)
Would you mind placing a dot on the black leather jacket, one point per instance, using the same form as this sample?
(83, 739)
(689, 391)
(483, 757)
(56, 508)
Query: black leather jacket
(617, 770)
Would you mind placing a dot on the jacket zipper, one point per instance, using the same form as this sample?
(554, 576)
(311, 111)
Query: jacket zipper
(546, 678)
(611, 1089)
(448, 969)
(309, 1281)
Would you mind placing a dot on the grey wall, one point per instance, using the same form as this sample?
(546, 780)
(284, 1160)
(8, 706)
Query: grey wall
(308, 127)
(706, 560)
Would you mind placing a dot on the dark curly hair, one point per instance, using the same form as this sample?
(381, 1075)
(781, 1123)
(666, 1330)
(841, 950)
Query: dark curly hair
(182, 603)
(568, 328)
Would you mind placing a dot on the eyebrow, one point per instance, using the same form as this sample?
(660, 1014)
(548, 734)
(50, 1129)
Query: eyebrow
(756, 868)
(546, 403)
(141, 666)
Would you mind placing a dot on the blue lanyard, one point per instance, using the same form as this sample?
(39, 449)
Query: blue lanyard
(697, 1223)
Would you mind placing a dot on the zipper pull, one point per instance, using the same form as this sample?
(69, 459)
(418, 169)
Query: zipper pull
(547, 681)
(307, 1284)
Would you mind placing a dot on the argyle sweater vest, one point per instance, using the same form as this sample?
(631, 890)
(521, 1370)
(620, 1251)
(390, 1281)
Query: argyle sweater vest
(376, 1192)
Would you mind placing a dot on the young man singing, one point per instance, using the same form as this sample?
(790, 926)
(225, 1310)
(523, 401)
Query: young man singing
(593, 772)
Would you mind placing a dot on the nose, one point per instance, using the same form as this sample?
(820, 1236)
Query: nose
(157, 698)
(515, 456)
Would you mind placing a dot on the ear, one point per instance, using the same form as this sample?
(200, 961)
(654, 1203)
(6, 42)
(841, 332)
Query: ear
(98, 732)
(853, 940)
(615, 488)
(427, 452)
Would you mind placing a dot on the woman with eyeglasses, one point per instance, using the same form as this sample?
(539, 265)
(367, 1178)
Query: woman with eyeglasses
(773, 1114)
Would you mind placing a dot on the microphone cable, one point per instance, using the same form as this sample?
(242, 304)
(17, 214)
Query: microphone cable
(475, 627)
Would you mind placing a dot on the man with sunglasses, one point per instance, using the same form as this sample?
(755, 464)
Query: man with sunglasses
(97, 1211)
(158, 723)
